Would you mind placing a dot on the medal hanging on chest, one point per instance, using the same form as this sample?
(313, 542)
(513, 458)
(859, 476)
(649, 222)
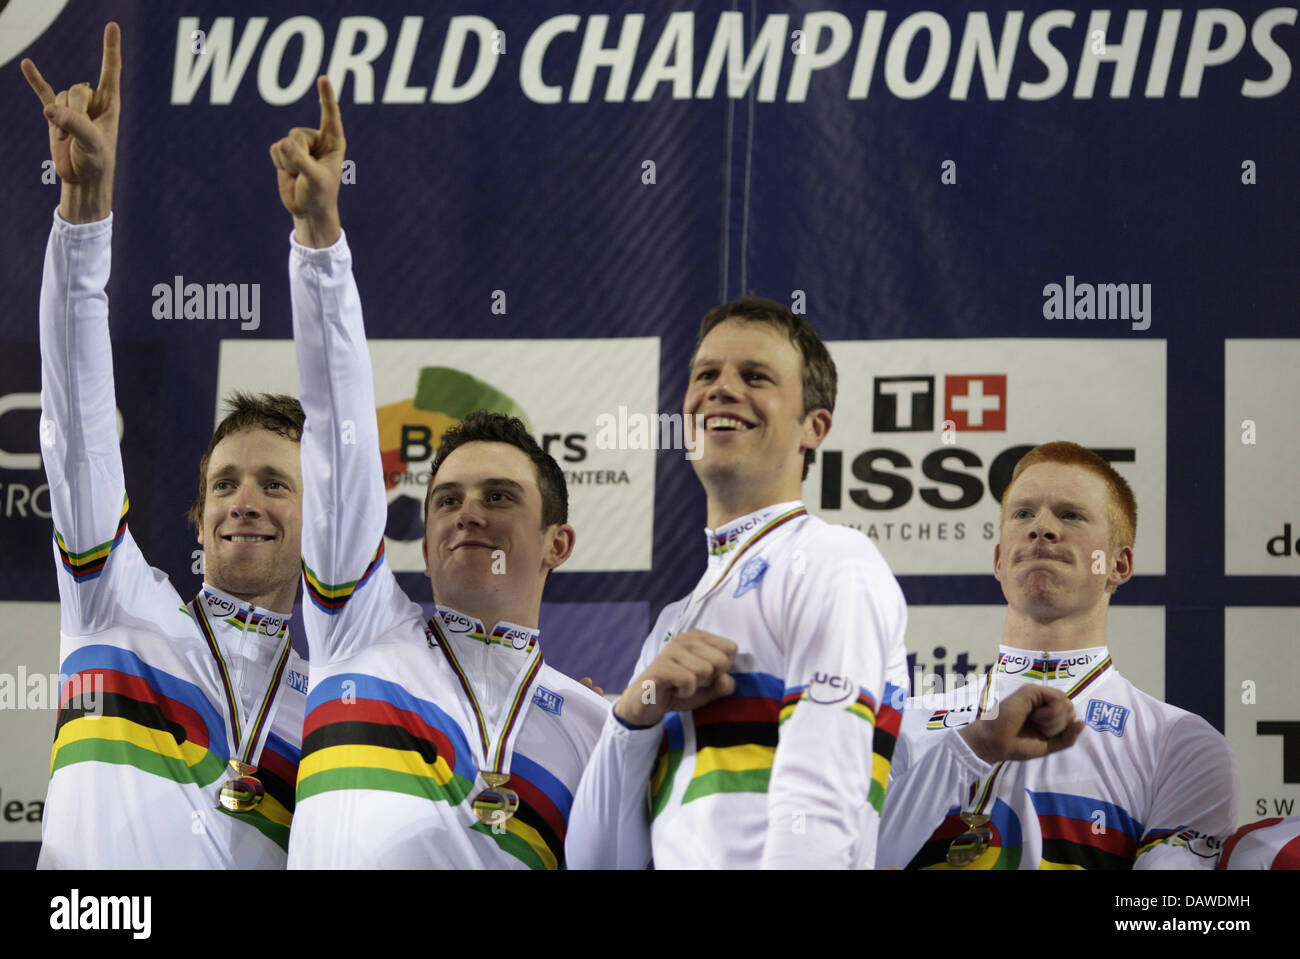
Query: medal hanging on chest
(970, 845)
(498, 802)
(243, 791)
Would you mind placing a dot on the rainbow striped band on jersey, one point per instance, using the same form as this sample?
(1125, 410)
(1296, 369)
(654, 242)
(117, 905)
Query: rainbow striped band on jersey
(244, 740)
(497, 803)
(970, 845)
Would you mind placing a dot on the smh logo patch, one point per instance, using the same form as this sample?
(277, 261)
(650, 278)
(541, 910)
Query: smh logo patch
(1106, 717)
(547, 700)
(750, 576)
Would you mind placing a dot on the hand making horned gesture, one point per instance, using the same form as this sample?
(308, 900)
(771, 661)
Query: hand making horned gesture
(309, 169)
(83, 133)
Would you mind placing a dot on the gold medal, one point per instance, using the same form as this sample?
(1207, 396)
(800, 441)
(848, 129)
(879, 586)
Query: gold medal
(498, 802)
(970, 845)
(244, 792)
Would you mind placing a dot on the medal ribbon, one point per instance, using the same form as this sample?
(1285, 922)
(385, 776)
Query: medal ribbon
(244, 749)
(781, 520)
(496, 759)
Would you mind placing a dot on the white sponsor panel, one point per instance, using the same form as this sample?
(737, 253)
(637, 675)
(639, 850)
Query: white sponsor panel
(1261, 713)
(964, 639)
(611, 491)
(29, 666)
(1261, 458)
(926, 433)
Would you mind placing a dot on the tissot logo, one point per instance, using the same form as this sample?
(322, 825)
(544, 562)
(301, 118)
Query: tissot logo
(976, 402)
(971, 402)
(902, 404)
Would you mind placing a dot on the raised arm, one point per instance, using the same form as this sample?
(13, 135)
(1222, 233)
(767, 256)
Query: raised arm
(344, 506)
(78, 432)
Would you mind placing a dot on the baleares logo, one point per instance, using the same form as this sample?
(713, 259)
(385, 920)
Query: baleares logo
(410, 430)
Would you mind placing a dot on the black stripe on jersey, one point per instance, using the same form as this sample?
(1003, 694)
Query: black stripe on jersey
(277, 788)
(883, 743)
(368, 734)
(125, 707)
(935, 850)
(531, 817)
(1077, 854)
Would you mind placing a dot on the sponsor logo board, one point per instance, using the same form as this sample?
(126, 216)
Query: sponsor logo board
(557, 387)
(1261, 713)
(1261, 458)
(927, 433)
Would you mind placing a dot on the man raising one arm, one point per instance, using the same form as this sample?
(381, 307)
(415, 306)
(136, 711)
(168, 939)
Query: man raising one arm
(448, 744)
(179, 725)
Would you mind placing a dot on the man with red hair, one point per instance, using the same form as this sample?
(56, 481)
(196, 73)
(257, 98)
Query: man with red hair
(1146, 785)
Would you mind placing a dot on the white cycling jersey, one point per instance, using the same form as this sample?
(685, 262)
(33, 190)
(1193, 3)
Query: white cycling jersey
(393, 754)
(1147, 785)
(154, 701)
(1268, 844)
(791, 769)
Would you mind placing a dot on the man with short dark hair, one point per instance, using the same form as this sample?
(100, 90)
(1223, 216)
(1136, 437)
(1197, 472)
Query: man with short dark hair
(180, 722)
(441, 744)
(1144, 785)
(769, 747)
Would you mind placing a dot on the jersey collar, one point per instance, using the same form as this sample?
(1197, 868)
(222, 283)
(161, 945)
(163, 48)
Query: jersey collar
(229, 612)
(511, 636)
(1061, 669)
(726, 539)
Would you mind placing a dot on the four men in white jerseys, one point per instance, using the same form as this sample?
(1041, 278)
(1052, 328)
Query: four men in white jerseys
(764, 724)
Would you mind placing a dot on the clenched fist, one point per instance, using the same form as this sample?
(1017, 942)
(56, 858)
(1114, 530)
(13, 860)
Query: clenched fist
(1031, 723)
(691, 671)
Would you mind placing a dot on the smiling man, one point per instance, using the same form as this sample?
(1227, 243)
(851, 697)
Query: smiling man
(771, 746)
(187, 759)
(439, 744)
(1147, 785)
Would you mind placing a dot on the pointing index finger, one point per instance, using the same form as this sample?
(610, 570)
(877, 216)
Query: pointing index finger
(331, 121)
(110, 73)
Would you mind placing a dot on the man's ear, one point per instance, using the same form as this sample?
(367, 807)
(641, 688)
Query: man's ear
(560, 540)
(816, 424)
(1121, 568)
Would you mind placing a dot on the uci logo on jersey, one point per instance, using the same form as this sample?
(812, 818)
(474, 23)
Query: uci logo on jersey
(224, 607)
(750, 576)
(456, 623)
(547, 700)
(516, 638)
(1106, 717)
(826, 688)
